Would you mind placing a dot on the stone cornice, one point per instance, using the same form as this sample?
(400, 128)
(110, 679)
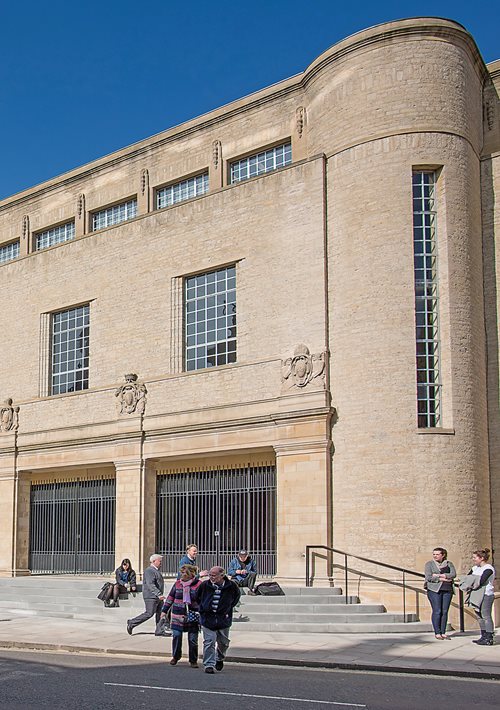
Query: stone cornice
(302, 447)
(419, 28)
(413, 28)
(180, 431)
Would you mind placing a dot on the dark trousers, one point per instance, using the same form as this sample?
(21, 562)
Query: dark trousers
(153, 608)
(192, 643)
(440, 603)
(247, 581)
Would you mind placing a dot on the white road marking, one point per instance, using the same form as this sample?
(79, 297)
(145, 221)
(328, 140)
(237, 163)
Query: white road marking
(239, 695)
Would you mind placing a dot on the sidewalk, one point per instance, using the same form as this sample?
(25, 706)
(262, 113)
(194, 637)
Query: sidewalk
(411, 652)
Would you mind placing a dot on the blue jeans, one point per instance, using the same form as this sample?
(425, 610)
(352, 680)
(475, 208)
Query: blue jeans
(192, 643)
(215, 645)
(440, 603)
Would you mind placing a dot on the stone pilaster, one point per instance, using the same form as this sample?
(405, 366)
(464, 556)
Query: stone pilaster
(304, 493)
(135, 512)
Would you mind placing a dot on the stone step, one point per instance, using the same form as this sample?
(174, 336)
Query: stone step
(337, 600)
(308, 609)
(382, 627)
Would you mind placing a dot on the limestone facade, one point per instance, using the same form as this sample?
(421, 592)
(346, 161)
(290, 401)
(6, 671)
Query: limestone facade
(324, 383)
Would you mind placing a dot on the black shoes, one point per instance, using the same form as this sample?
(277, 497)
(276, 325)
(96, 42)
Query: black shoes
(129, 628)
(209, 669)
(194, 665)
(219, 665)
(173, 662)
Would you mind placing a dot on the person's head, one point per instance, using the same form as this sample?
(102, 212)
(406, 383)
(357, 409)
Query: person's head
(216, 574)
(156, 560)
(188, 572)
(126, 565)
(192, 551)
(439, 554)
(481, 556)
(242, 554)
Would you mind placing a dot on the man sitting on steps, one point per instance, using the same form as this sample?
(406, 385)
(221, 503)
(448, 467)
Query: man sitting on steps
(243, 571)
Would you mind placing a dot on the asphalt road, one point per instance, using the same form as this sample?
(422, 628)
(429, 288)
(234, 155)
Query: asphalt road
(67, 681)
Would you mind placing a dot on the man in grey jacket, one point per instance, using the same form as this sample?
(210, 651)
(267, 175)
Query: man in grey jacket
(152, 591)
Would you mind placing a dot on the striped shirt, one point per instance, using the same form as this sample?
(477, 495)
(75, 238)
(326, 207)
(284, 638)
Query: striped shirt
(216, 597)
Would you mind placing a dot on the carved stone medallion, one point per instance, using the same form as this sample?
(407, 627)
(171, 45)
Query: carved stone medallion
(131, 396)
(9, 417)
(302, 368)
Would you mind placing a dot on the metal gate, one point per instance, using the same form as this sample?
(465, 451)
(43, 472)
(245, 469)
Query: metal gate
(72, 527)
(221, 511)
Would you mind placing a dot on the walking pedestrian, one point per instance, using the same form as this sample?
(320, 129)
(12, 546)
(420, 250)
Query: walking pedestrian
(183, 600)
(218, 596)
(152, 591)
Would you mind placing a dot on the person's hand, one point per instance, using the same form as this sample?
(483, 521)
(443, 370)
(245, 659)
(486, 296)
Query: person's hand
(162, 598)
(163, 615)
(133, 589)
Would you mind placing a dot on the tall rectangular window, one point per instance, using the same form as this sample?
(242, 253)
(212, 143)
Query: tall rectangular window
(70, 350)
(261, 163)
(426, 299)
(180, 191)
(114, 215)
(9, 252)
(210, 319)
(55, 235)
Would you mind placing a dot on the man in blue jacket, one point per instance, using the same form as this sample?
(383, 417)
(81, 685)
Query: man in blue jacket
(217, 598)
(243, 570)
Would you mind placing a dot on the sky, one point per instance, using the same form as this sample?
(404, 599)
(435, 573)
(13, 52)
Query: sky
(79, 80)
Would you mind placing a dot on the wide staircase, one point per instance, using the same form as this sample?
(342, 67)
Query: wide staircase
(320, 610)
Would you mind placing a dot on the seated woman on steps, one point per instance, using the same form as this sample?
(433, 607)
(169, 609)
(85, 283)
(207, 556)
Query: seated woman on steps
(125, 581)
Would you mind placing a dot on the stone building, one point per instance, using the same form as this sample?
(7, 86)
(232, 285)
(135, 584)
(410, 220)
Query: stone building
(272, 326)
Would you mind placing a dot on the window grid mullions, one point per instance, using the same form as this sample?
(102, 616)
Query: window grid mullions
(114, 214)
(426, 300)
(70, 350)
(180, 191)
(210, 319)
(8, 252)
(261, 163)
(55, 235)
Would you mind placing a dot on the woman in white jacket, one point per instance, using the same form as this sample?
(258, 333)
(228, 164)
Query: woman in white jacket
(486, 574)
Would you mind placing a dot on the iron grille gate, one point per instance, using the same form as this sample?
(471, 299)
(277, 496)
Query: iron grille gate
(221, 511)
(72, 527)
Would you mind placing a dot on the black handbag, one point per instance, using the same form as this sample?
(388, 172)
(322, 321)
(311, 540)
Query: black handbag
(269, 589)
(192, 617)
(103, 594)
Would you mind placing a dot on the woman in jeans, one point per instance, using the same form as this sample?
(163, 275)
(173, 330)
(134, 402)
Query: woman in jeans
(183, 600)
(439, 575)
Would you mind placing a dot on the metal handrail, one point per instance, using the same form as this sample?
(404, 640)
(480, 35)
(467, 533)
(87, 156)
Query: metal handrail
(404, 585)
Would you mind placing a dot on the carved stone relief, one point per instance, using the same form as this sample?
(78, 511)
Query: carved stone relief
(131, 396)
(303, 368)
(489, 113)
(300, 120)
(216, 153)
(9, 417)
(26, 226)
(80, 205)
(144, 180)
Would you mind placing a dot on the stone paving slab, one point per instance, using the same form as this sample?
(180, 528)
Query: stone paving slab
(401, 652)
